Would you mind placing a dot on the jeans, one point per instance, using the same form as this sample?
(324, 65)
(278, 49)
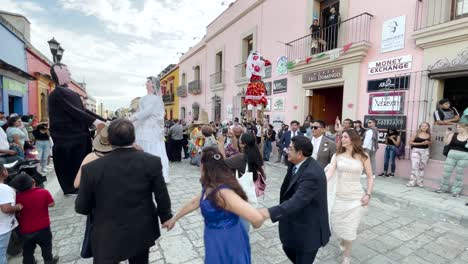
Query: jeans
(371, 154)
(4, 239)
(43, 238)
(457, 160)
(390, 155)
(43, 149)
(267, 150)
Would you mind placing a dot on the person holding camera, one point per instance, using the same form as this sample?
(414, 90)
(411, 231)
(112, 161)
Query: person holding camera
(270, 136)
(392, 140)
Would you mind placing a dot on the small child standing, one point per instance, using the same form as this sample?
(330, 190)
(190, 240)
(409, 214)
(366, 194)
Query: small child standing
(7, 213)
(34, 221)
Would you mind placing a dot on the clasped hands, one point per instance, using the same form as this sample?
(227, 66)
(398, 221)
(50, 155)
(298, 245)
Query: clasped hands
(169, 224)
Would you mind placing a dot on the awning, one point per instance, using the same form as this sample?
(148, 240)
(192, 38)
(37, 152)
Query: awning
(449, 72)
(8, 67)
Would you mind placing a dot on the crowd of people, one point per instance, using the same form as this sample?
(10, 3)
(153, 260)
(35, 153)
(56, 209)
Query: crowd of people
(321, 191)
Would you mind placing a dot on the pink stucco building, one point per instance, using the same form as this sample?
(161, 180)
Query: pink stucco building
(388, 60)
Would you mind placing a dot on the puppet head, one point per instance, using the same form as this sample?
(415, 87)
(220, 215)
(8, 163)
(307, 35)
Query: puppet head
(60, 74)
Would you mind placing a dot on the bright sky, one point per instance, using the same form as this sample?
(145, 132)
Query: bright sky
(113, 45)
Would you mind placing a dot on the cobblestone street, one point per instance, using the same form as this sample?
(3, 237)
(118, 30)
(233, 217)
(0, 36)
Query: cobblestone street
(389, 233)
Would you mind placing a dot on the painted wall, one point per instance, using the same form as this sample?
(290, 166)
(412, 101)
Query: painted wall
(12, 49)
(226, 34)
(172, 77)
(41, 70)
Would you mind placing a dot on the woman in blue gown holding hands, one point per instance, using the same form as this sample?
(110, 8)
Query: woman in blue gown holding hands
(222, 202)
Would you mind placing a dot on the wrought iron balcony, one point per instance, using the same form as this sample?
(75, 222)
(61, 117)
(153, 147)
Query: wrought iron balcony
(168, 98)
(435, 12)
(194, 87)
(353, 30)
(182, 91)
(217, 79)
(240, 72)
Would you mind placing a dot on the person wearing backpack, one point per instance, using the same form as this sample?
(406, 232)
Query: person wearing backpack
(393, 141)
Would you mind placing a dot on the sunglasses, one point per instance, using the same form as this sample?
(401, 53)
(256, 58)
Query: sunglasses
(315, 127)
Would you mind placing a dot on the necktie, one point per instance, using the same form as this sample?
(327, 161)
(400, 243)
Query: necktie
(294, 171)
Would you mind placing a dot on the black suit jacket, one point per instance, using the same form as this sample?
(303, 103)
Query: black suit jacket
(286, 138)
(120, 186)
(303, 211)
(68, 118)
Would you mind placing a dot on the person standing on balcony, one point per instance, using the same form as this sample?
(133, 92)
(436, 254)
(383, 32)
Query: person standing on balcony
(315, 34)
(331, 29)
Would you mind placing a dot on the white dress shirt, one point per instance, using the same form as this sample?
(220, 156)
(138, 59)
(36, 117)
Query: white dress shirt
(368, 140)
(293, 133)
(316, 143)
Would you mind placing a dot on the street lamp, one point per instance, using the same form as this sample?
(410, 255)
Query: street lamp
(56, 49)
(60, 53)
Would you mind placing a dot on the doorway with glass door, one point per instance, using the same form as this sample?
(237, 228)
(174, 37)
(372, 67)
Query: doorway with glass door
(326, 104)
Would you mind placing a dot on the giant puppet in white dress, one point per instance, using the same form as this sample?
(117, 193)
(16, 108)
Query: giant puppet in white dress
(149, 124)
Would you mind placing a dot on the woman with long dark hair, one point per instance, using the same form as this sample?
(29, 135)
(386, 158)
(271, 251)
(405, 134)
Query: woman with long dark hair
(249, 157)
(350, 198)
(393, 141)
(222, 202)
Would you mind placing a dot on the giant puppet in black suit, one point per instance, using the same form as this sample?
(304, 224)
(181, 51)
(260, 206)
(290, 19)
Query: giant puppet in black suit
(69, 128)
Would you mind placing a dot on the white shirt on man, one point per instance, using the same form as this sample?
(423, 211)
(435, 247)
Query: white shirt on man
(8, 222)
(293, 133)
(4, 145)
(316, 143)
(368, 140)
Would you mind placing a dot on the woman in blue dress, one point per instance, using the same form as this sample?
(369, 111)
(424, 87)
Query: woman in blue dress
(222, 202)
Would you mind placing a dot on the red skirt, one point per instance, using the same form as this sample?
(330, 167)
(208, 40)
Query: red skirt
(255, 94)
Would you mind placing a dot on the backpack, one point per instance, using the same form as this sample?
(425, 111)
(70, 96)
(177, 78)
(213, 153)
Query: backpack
(400, 150)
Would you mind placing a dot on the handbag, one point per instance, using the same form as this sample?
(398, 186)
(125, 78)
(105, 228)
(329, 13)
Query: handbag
(260, 185)
(247, 184)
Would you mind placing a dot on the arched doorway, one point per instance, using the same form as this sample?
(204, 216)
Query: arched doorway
(195, 111)
(43, 106)
(182, 113)
(216, 101)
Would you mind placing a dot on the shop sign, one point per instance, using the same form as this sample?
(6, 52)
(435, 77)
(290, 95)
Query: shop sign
(386, 103)
(401, 63)
(322, 75)
(282, 65)
(278, 104)
(280, 86)
(268, 88)
(15, 86)
(268, 72)
(385, 122)
(393, 34)
(388, 84)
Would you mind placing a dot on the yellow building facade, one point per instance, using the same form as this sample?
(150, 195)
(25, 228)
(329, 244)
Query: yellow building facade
(169, 84)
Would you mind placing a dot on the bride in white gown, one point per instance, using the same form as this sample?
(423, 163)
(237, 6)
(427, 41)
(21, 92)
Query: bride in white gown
(348, 200)
(149, 124)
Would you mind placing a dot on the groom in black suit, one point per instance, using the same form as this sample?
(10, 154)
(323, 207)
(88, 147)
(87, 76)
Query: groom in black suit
(302, 212)
(120, 188)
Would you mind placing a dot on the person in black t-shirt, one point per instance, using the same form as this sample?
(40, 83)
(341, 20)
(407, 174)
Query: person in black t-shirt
(270, 136)
(43, 146)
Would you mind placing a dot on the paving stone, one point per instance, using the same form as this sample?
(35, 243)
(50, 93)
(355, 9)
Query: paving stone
(389, 232)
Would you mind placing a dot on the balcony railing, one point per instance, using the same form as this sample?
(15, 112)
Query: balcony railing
(168, 98)
(194, 87)
(240, 71)
(182, 91)
(352, 30)
(435, 12)
(217, 78)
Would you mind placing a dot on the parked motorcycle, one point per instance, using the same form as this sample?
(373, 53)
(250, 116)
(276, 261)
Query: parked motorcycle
(27, 166)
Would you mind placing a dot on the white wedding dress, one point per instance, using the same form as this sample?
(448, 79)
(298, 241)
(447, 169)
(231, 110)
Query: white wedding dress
(149, 129)
(344, 197)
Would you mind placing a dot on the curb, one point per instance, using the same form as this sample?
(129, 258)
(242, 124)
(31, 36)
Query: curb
(436, 211)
